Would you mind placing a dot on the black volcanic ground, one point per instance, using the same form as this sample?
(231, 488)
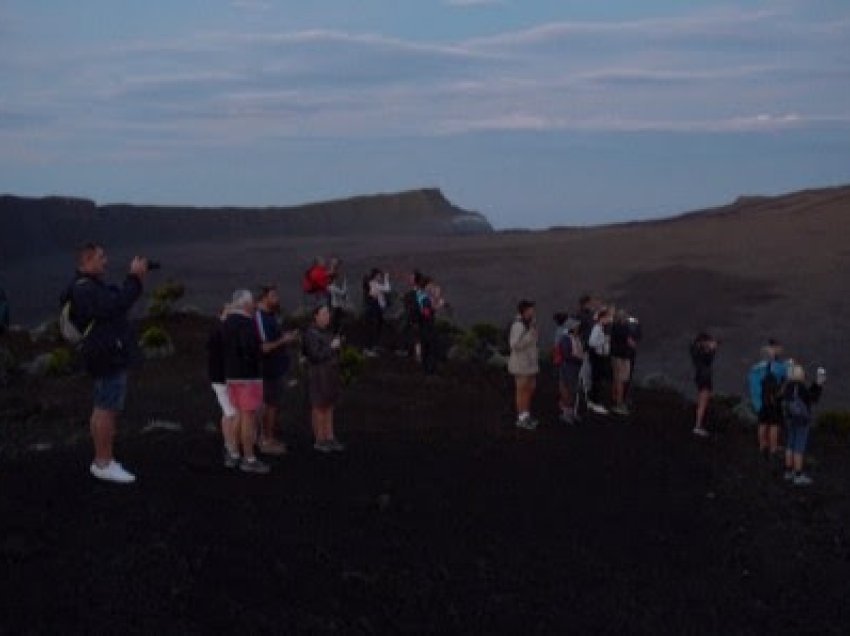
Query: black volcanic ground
(440, 517)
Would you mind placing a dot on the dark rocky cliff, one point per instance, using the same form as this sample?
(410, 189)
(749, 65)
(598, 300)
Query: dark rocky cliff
(35, 226)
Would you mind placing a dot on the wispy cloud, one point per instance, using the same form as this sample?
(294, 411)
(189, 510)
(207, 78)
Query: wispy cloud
(707, 72)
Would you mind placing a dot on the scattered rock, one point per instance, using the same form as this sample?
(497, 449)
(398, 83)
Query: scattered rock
(38, 366)
(162, 425)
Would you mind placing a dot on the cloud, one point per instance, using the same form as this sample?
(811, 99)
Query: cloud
(703, 72)
(473, 3)
(251, 5)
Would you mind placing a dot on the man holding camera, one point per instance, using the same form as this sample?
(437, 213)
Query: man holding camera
(108, 346)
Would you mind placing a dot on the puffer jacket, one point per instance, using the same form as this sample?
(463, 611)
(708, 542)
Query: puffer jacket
(525, 356)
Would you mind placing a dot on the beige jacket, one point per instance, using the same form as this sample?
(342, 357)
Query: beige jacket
(525, 357)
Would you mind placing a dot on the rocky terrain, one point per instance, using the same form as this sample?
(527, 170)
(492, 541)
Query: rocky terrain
(440, 517)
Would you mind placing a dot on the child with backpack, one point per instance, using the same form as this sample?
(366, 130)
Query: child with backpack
(798, 401)
(766, 379)
(567, 358)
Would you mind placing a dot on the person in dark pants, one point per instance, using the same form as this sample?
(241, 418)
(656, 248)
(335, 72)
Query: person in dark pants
(275, 365)
(321, 348)
(108, 347)
(427, 326)
(703, 349)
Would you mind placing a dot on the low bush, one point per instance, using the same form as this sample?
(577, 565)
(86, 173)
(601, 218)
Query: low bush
(164, 296)
(154, 338)
(836, 422)
(489, 334)
(59, 362)
(351, 363)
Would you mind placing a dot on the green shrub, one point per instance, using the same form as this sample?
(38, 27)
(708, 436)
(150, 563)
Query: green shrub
(351, 363)
(837, 422)
(164, 296)
(488, 333)
(154, 338)
(59, 362)
(447, 330)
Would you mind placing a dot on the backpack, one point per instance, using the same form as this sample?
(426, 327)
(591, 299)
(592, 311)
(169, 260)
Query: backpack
(770, 389)
(557, 354)
(68, 329)
(796, 409)
(307, 283)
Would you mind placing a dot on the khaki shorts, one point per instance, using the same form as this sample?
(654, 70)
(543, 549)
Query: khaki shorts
(622, 368)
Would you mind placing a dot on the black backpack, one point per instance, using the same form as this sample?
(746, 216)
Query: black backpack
(771, 389)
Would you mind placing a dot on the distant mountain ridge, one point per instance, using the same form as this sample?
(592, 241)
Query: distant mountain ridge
(31, 226)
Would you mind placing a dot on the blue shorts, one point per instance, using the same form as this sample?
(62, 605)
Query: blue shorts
(110, 391)
(796, 438)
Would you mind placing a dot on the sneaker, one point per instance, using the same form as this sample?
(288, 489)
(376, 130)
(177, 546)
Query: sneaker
(231, 460)
(335, 445)
(597, 408)
(802, 480)
(113, 472)
(527, 423)
(254, 466)
(699, 431)
(788, 475)
(323, 447)
(370, 353)
(620, 410)
(566, 418)
(272, 447)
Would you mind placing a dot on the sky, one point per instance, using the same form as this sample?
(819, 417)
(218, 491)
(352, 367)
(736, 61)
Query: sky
(536, 113)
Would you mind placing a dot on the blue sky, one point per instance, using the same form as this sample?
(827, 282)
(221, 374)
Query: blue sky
(536, 113)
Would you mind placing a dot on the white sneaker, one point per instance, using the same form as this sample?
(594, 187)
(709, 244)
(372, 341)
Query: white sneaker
(699, 431)
(802, 480)
(370, 353)
(597, 408)
(113, 472)
(621, 409)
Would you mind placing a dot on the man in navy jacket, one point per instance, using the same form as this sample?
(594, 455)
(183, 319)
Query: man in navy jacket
(99, 311)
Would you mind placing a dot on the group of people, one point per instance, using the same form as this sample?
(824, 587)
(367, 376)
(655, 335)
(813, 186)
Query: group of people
(779, 396)
(594, 354)
(249, 352)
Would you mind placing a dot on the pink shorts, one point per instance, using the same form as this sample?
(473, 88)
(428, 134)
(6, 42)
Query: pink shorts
(245, 395)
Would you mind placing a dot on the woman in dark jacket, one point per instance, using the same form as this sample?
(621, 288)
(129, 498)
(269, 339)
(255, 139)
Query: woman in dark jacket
(797, 400)
(321, 348)
(703, 350)
(242, 354)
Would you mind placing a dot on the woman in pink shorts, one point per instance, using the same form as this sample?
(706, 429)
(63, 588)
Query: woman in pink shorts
(242, 353)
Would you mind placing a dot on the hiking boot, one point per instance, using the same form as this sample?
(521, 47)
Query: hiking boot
(113, 472)
(802, 480)
(254, 466)
(699, 431)
(597, 408)
(231, 459)
(272, 447)
(323, 446)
